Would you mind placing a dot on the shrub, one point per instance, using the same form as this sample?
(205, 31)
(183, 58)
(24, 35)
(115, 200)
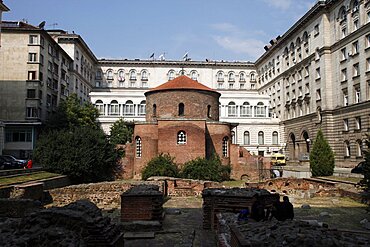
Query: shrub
(120, 132)
(365, 182)
(204, 169)
(321, 157)
(162, 165)
(82, 153)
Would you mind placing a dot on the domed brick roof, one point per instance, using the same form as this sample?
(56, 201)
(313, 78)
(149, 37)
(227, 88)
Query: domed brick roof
(181, 83)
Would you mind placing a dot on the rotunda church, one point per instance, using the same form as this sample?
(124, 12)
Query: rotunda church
(182, 119)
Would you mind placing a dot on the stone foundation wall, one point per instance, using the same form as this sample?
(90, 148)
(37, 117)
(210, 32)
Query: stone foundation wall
(104, 195)
(16, 208)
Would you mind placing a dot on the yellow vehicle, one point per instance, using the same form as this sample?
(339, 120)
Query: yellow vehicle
(278, 159)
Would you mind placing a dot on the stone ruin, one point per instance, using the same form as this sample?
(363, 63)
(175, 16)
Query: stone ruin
(78, 224)
(216, 200)
(232, 233)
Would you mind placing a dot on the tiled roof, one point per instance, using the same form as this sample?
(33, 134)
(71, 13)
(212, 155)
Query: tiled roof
(182, 82)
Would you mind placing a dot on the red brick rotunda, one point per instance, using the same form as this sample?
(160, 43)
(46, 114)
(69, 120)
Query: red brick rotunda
(182, 119)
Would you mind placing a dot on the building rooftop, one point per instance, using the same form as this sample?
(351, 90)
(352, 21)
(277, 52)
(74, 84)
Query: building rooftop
(180, 83)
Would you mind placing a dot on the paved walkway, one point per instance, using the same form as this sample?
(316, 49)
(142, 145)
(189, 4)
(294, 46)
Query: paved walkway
(180, 230)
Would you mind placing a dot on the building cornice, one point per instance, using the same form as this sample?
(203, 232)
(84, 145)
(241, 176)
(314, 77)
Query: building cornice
(3, 7)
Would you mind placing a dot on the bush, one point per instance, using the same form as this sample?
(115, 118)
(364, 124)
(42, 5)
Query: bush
(365, 182)
(321, 157)
(82, 153)
(204, 169)
(162, 165)
(121, 132)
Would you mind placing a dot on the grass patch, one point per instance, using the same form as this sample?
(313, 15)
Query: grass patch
(344, 179)
(26, 178)
(236, 183)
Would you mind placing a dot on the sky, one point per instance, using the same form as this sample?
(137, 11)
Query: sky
(229, 30)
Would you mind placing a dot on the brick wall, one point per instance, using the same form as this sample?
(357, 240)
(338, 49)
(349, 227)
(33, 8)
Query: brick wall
(195, 104)
(104, 195)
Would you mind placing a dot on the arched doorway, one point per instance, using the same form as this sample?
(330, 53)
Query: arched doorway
(307, 140)
(292, 146)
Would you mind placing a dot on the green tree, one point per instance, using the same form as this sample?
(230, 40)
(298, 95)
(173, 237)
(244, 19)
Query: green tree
(365, 182)
(162, 165)
(82, 153)
(321, 157)
(204, 169)
(120, 132)
(70, 113)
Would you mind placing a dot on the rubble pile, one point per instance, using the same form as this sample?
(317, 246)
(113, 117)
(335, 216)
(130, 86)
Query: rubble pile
(284, 233)
(231, 200)
(78, 224)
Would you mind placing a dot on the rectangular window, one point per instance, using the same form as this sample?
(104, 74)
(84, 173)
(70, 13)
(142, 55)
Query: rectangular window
(343, 53)
(345, 124)
(355, 48)
(357, 95)
(307, 88)
(32, 57)
(41, 59)
(356, 70)
(344, 75)
(368, 64)
(31, 112)
(358, 123)
(241, 85)
(31, 75)
(318, 74)
(231, 110)
(318, 94)
(345, 97)
(129, 110)
(31, 93)
(306, 71)
(50, 66)
(42, 41)
(344, 32)
(316, 30)
(50, 50)
(355, 25)
(15, 135)
(33, 39)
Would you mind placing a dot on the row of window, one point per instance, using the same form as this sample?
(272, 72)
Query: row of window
(261, 138)
(181, 140)
(359, 145)
(246, 110)
(355, 17)
(115, 109)
(358, 125)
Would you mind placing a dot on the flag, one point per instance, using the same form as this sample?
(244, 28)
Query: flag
(185, 57)
(152, 56)
(161, 57)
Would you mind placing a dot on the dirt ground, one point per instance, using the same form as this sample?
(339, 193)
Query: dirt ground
(185, 229)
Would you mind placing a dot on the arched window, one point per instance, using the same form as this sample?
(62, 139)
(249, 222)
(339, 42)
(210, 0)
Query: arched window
(171, 75)
(181, 137)
(298, 42)
(275, 139)
(225, 146)
(181, 109)
(342, 14)
(154, 110)
(142, 108)
(246, 110)
(233, 137)
(138, 147)
(133, 75)
(129, 109)
(113, 108)
(261, 138)
(144, 75)
(231, 77)
(121, 75)
(110, 74)
(347, 151)
(100, 106)
(247, 138)
(260, 110)
(305, 37)
(358, 148)
(242, 77)
(252, 76)
(355, 6)
(194, 75)
(220, 76)
(208, 111)
(231, 109)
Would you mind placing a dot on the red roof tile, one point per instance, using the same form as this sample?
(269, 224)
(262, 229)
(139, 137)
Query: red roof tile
(182, 82)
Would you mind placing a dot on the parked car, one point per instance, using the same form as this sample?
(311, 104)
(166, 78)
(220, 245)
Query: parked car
(13, 163)
(4, 163)
(359, 168)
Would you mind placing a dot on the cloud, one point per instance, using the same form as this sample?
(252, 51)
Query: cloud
(280, 4)
(251, 47)
(238, 41)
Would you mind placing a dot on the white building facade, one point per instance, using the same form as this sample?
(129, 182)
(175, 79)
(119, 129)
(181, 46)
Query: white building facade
(120, 86)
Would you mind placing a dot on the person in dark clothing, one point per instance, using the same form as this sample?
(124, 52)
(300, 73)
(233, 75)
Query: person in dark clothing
(258, 210)
(287, 210)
